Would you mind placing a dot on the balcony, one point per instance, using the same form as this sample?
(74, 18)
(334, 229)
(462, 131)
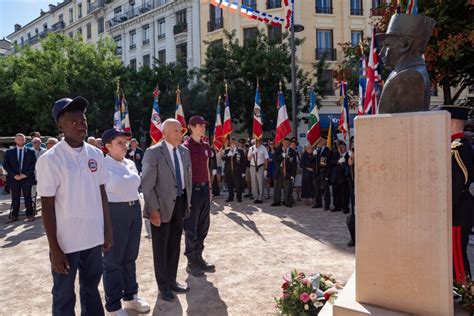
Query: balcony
(161, 36)
(133, 46)
(180, 28)
(146, 41)
(44, 33)
(273, 4)
(215, 25)
(329, 53)
(96, 5)
(118, 50)
(57, 26)
(357, 11)
(33, 40)
(323, 10)
(134, 12)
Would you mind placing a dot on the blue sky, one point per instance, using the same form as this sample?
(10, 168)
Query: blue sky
(21, 12)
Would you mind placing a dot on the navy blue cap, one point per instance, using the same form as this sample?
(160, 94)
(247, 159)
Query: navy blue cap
(110, 134)
(193, 121)
(61, 105)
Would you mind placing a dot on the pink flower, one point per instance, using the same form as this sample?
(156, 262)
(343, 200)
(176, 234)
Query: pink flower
(286, 279)
(306, 282)
(313, 297)
(304, 297)
(285, 296)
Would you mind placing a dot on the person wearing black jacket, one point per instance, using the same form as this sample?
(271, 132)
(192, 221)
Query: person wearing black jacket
(338, 177)
(135, 154)
(285, 172)
(234, 170)
(321, 175)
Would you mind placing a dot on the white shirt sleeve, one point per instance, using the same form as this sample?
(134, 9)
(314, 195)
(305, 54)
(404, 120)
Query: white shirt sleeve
(103, 172)
(47, 175)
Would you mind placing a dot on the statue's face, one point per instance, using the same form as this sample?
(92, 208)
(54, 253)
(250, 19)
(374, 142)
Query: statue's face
(391, 51)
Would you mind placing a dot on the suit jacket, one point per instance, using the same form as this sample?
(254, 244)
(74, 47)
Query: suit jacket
(290, 162)
(239, 161)
(12, 167)
(159, 180)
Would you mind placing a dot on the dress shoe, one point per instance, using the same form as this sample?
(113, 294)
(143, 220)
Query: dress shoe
(239, 200)
(179, 288)
(167, 296)
(194, 269)
(258, 202)
(317, 206)
(275, 204)
(326, 208)
(248, 195)
(11, 220)
(229, 200)
(207, 267)
(345, 211)
(351, 243)
(336, 210)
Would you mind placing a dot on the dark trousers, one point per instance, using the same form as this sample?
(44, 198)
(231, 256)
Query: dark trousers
(196, 226)
(287, 185)
(351, 187)
(166, 241)
(120, 281)
(341, 196)
(89, 264)
(321, 186)
(17, 187)
(234, 182)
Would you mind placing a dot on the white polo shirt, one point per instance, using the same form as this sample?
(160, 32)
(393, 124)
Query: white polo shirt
(123, 182)
(257, 154)
(73, 177)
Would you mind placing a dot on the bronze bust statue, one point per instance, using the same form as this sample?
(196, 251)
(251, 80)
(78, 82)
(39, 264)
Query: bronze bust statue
(407, 88)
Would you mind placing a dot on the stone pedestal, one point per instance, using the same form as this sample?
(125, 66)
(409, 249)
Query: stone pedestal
(403, 217)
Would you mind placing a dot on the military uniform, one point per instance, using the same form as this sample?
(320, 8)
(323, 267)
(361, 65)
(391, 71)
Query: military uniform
(285, 161)
(234, 171)
(321, 175)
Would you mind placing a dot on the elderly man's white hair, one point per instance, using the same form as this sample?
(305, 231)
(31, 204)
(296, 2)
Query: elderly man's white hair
(168, 122)
(90, 138)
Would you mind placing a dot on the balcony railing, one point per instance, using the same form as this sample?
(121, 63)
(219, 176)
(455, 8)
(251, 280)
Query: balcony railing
(57, 26)
(118, 51)
(33, 40)
(357, 11)
(329, 53)
(134, 11)
(323, 10)
(146, 41)
(215, 25)
(133, 46)
(160, 36)
(96, 5)
(180, 28)
(273, 4)
(44, 33)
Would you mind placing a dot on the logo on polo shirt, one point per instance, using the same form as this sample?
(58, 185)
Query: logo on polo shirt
(92, 165)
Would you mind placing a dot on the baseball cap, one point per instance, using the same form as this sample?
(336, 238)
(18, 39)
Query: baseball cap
(61, 105)
(197, 119)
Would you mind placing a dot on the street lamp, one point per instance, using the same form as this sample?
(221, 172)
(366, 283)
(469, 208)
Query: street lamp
(295, 28)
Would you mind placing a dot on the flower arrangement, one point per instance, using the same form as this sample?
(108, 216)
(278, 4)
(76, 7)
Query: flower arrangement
(303, 295)
(466, 292)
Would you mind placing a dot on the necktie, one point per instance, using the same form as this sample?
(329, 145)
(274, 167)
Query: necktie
(179, 185)
(20, 159)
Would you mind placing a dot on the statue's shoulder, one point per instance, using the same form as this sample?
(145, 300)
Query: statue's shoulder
(409, 74)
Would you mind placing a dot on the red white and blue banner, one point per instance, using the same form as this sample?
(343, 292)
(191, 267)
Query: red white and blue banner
(257, 128)
(412, 7)
(283, 127)
(362, 84)
(314, 125)
(370, 100)
(125, 118)
(227, 129)
(179, 113)
(155, 125)
(344, 117)
(249, 12)
(117, 112)
(218, 130)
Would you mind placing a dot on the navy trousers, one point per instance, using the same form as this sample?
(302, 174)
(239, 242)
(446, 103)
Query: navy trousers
(89, 264)
(120, 280)
(17, 187)
(196, 226)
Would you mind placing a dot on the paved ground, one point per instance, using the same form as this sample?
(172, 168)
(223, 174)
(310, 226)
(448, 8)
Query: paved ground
(251, 246)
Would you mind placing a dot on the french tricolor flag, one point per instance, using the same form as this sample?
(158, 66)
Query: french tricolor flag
(283, 122)
(215, 2)
(234, 6)
(224, 4)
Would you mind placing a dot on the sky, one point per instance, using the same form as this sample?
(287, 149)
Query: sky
(21, 12)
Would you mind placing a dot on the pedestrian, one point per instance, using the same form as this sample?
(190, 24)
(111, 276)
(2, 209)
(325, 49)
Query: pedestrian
(285, 173)
(19, 164)
(215, 185)
(269, 178)
(166, 184)
(321, 175)
(71, 183)
(33, 136)
(350, 220)
(135, 154)
(91, 140)
(120, 280)
(248, 182)
(307, 167)
(38, 147)
(99, 144)
(297, 183)
(339, 175)
(462, 161)
(234, 172)
(51, 142)
(258, 158)
(196, 226)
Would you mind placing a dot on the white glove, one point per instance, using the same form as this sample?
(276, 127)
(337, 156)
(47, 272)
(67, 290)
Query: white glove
(132, 153)
(341, 160)
(315, 152)
(284, 155)
(243, 175)
(214, 172)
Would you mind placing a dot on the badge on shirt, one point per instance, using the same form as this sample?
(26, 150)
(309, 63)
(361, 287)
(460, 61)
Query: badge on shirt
(92, 165)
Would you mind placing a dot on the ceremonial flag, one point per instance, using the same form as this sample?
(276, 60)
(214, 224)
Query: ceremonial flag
(155, 126)
(117, 113)
(344, 118)
(412, 7)
(331, 134)
(314, 125)
(179, 114)
(370, 100)
(257, 129)
(362, 84)
(227, 129)
(218, 130)
(125, 119)
(283, 123)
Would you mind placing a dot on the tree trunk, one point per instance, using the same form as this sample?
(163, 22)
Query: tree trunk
(446, 92)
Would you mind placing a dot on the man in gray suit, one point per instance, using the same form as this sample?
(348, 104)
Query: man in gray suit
(166, 184)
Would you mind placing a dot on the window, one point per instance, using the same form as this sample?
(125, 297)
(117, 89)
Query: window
(133, 64)
(162, 56)
(89, 6)
(274, 33)
(356, 7)
(324, 45)
(60, 18)
(132, 39)
(79, 10)
(22, 41)
(376, 11)
(71, 34)
(118, 42)
(118, 10)
(161, 28)
(181, 17)
(250, 3)
(250, 34)
(29, 35)
(88, 30)
(356, 37)
(146, 60)
(215, 19)
(36, 31)
(45, 26)
(324, 6)
(79, 32)
(146, 34)
(100, 25)
(182, 53)
(273, 4)
(328, 78)
(217, 43)
(71, 15)
(161, 2)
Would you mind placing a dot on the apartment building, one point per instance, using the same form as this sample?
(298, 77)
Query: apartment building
(148, 30)
(5, 47)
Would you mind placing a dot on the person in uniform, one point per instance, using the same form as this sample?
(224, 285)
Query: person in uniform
(135, 154)
(258, 158)
(234, 171)
(196, 226)
(321, 180)
(285, 173)
(462, 158)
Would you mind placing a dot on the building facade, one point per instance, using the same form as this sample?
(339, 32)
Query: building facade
(155, 30)
(5, 47)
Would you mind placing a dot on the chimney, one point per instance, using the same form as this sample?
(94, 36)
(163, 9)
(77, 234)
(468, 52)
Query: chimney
(51, 7)
(17, 27)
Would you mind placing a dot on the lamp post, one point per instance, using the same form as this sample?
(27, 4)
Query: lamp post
(295, 28)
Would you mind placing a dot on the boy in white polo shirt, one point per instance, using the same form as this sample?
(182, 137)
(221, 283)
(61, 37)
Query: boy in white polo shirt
(71, 178)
